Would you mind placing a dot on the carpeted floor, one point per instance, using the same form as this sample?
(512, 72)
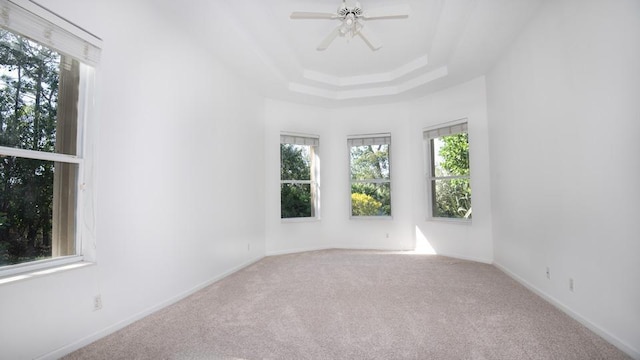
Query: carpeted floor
(343, 304)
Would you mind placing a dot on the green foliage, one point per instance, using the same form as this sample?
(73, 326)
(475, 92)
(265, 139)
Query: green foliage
(295, 162)
(295, 199)
(370, 162)
(364, 205)
(455, 154)
(453, 196)
(381, 193)
(29, 75)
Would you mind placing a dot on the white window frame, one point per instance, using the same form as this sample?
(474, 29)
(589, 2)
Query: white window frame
(450, 128)
(28, 19)
(370, 139)
(313, 141)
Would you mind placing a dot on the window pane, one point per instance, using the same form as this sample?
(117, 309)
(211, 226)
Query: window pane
(452, 198)
(450, 155)
(37, 209)
(295, 162)
(35, 93)
(296, 201)
(368, 199)
(370, 162)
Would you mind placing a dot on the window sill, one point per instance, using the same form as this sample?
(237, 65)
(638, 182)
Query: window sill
(300, 220)
(370, 217)
(451, 221)
(31, 271)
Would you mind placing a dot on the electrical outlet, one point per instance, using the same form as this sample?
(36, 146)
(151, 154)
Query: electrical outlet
(97, 302)
(386, 235)
(248, 246)
(571, 284)
(548, 273)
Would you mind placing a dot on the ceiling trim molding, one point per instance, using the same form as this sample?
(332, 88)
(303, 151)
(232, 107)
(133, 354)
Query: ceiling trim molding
(371, 91)
(377, 78)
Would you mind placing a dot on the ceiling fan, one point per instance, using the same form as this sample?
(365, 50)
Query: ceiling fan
(351, 19)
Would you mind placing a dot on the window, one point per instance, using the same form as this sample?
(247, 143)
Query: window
(42, 99)
(448, 175)
(370, 175)
(299, 175)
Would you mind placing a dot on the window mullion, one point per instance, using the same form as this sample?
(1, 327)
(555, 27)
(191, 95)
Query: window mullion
(39, 155)
(370, 181)
(296, 182)
(453, 177)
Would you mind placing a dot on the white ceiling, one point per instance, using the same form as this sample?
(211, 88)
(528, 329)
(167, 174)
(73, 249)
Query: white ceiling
(442, 43)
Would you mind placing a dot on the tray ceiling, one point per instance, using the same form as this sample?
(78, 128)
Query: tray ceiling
(442, 43)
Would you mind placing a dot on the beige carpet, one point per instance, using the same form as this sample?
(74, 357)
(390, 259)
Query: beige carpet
(342, 304)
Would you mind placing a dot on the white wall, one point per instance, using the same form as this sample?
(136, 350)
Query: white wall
(564, 116)
(405, 122)
(293, 236)
(468, 241)
(179, 183)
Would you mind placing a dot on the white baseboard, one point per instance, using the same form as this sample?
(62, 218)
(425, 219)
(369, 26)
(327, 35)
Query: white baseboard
(469, 258)
(56, 354)
(629, 350)
(337, 247)
(364, 247)
(297, 250)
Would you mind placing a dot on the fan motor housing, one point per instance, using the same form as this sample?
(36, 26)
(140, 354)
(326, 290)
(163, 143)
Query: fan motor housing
(343, 11)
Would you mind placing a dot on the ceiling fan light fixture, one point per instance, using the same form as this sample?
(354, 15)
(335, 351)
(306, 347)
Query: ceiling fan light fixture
(357, 9)
(343, 10)
(350, 27)
(351, 22)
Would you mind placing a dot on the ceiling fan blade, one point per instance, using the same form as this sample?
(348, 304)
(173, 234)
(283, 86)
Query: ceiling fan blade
(369, 39)
(391, 12)
(312, 15)
(329, 39)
